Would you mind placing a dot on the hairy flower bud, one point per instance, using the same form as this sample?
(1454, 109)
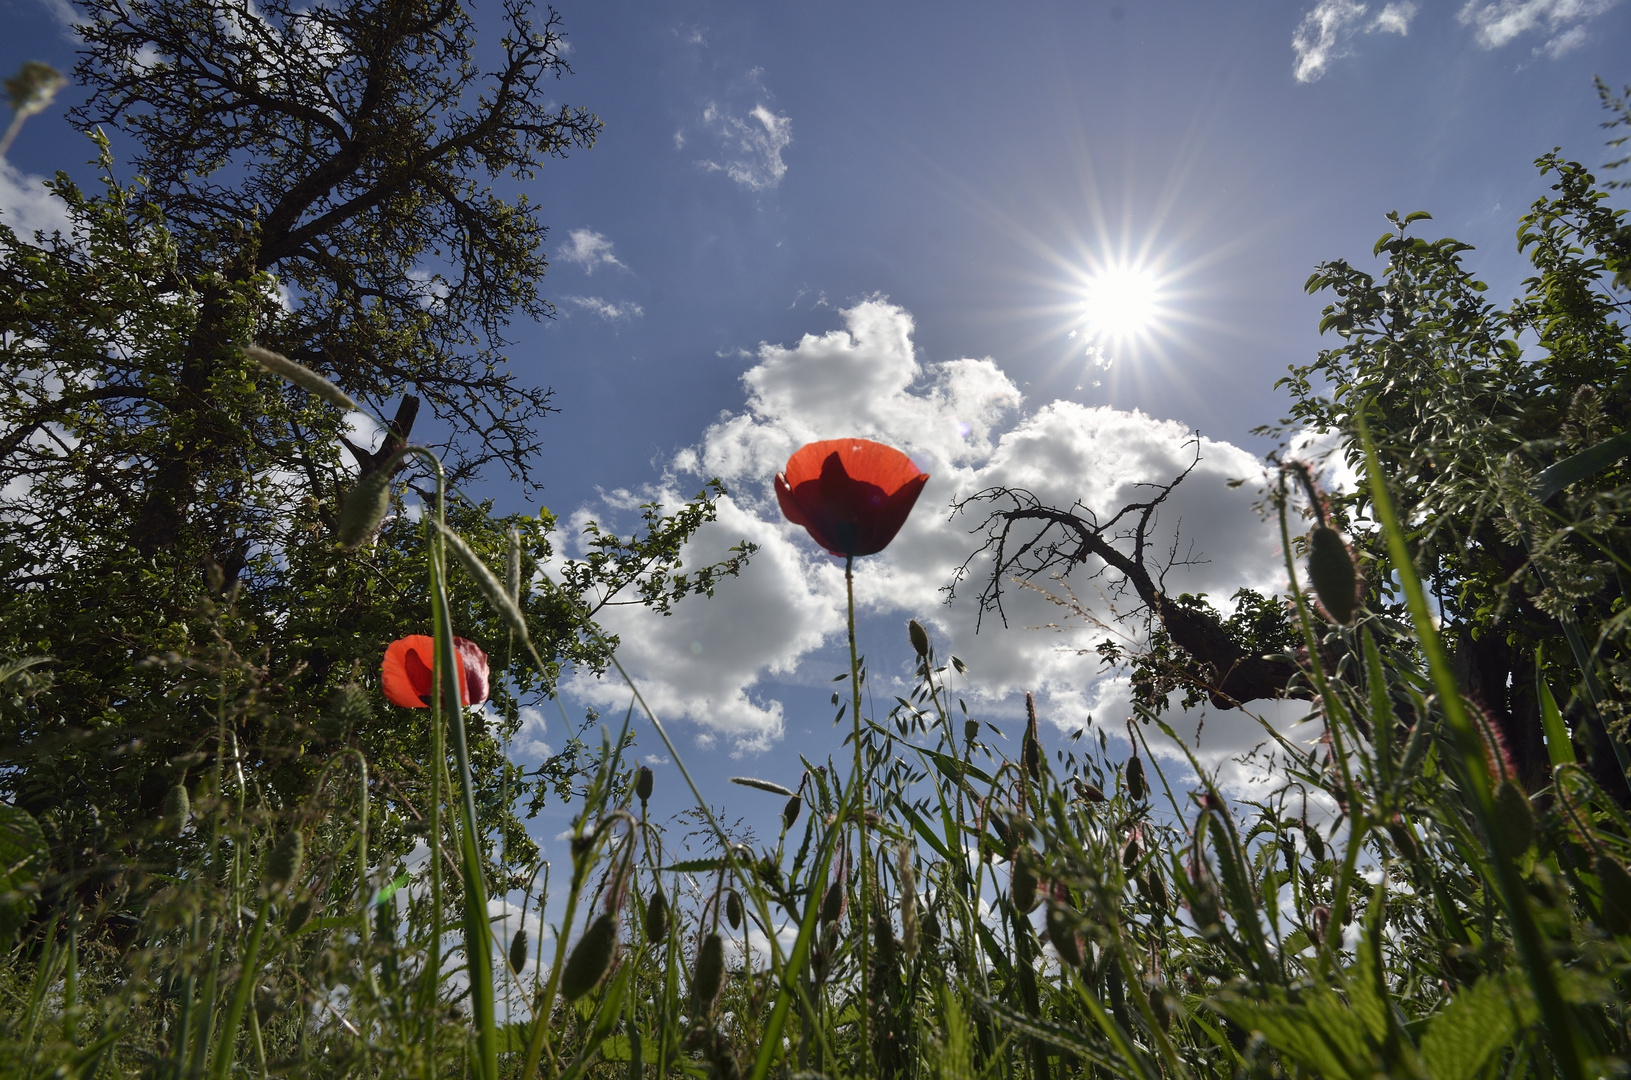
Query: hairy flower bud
(790, 812)
(363, 508)
(175, 809)
(920, 639)
(283, 864)
(518, 950)
(733, 909)
(1331, 572)
(590, 957)
(656, 917)
(1137, 787)
(643, 783)
(709, 976)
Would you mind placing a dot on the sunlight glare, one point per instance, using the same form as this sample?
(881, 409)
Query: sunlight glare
(1120, 302)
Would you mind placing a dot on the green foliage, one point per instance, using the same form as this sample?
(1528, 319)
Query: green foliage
(1500, 430)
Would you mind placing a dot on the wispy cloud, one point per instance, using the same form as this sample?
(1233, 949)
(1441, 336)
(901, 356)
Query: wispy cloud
(606, 309)
(589, 250)
(1501, 23)
(1326, 33)
(751, 148)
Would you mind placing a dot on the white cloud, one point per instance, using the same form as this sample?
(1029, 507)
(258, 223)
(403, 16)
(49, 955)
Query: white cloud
(751, 148)
(960, 421)
(1322, 37)
(27, 206)
(1394, 19)
(1505, 21)
(1326, 32)
(606, 309)
(589, 250)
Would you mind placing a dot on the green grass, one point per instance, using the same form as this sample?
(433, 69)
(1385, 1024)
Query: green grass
(936, 910)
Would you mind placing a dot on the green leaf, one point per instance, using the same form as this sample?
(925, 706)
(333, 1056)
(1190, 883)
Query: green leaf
(1558, 746)
(23, 856)
(1476, 1023)
(1586, 463)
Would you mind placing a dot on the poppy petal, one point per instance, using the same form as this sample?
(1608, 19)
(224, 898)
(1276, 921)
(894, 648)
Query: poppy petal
(473, 667)
(405, 675)
(851, 495)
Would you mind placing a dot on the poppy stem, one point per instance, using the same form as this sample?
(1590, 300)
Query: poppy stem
(860, 819)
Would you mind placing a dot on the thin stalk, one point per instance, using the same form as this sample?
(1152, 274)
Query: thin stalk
(240, 996)
(859, 783)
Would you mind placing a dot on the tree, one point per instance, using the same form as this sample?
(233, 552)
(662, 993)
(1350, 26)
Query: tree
(348, 151)
(1468, 405)
(313, 182)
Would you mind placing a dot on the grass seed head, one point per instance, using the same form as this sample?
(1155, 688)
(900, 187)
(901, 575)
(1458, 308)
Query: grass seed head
(175, 810)
(301, 375)
(364, 508)
(590, 958)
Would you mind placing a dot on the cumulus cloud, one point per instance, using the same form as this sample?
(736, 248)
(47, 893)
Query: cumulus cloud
(607, 309)
(711, 661)
(27, 206)
(750, 149)
(1501, 23)
(1326, 32)
(589, 250)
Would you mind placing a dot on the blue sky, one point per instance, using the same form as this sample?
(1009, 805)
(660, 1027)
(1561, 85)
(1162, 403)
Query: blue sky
(809, 221)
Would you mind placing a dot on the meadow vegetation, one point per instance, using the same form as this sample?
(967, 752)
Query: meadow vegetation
(223, 854)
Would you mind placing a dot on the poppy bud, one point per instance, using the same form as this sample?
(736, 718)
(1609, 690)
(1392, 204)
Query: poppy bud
(920, 639)
(590, 958)
(283, 864)
(1322, 920)
(931, 928)
(733, 909)
(1514, 819)
(908, 902)
(1205, 908)
(657, 916)
(518, 950)
(346, 710)
(832, 905)
(1022, 883)
(971, 730)
(1130, 854)
(1159, 1007)
(643, 783)
(1061, 931)
(1404, 839)
(1331, 572)
(1615, 884)
(710, 972)
(1088, 792)
(1316, 842)
(266, 1004)
(299, 914)
(884, 956)
(364, 508)
(301, 375)
(173, 812)
(790, 812)
(1155, 891)
(1136, 786)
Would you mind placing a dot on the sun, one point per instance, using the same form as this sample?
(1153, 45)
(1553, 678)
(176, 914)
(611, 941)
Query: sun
(1121, 303)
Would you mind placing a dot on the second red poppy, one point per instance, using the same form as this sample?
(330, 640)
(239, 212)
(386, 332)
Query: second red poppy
(851, 495)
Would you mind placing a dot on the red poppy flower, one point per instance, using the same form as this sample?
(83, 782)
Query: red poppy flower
(405, 675)
(852, 495)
